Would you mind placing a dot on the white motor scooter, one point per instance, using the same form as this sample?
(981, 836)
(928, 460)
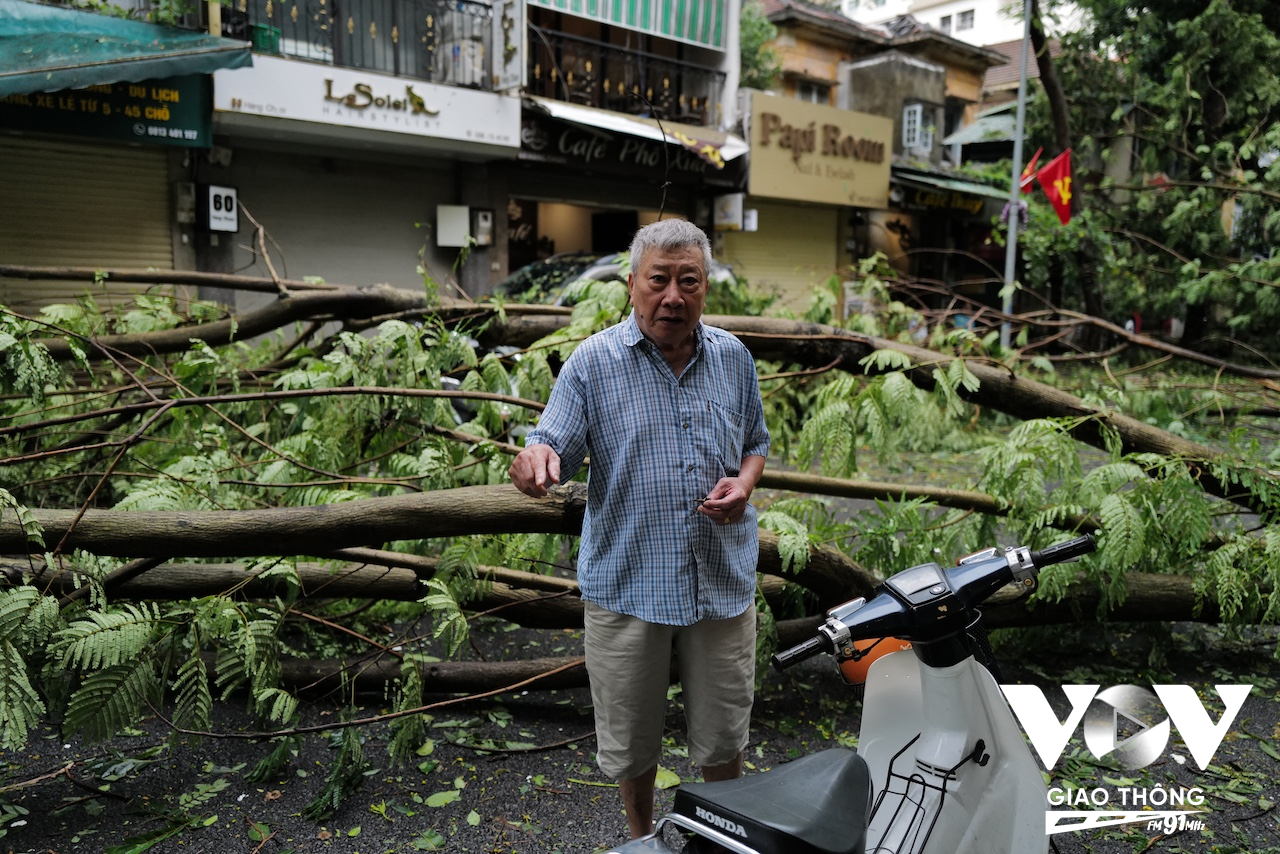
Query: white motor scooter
(941, 766)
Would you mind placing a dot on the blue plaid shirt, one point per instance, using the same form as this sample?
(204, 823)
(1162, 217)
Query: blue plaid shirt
(657, 444)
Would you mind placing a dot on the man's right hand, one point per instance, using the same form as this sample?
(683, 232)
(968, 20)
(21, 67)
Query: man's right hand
(534, 469)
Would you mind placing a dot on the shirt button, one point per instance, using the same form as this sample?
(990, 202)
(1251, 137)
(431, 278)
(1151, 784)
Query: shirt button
(686, 426)
(690, 468)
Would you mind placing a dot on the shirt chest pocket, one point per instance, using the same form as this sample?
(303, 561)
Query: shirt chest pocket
(729, 426)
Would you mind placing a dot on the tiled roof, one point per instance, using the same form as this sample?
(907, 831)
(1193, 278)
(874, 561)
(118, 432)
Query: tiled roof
(1006, 76)
(774, 8)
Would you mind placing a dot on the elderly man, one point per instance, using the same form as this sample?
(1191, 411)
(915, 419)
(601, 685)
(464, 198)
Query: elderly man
(670, 412)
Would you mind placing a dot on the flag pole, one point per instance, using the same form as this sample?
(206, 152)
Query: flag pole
(1015, 192)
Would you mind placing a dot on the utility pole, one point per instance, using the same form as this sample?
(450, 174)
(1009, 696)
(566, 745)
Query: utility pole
(1015, 193)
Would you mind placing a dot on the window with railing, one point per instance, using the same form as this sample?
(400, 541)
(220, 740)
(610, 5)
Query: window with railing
(917, 128)
(584, 71)
(442, 41)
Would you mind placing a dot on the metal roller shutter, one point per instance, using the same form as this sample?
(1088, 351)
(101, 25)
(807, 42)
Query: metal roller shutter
(72, 204)
(794, 249)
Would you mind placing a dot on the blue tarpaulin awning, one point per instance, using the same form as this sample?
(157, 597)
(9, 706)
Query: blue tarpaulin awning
(50, 48)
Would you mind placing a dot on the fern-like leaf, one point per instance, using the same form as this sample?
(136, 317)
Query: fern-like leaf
(344, 779)
(448, 621)
(1112, 477)
(276, 761)
(887, 360)
(276, 705)
(407, 731)
(1124, 532)
(27, 617)
(110, 700)
(1226, 580)
(193, 701)
(249, 657)
(103, 640)
(31, 526)
(20, 705)
(830, 435)
(793, 539)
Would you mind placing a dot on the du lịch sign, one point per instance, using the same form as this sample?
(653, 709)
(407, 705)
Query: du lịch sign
(168, 111)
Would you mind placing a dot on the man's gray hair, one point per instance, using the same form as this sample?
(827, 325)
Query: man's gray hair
(668, 234)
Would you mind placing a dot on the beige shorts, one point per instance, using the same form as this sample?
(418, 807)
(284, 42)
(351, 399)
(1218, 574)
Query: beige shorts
(629, 664)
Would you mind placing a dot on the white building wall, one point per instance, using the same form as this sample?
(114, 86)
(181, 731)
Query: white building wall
(991, 23)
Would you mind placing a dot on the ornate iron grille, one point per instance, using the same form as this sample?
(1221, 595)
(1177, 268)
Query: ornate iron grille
(583, 71)
(443, 41)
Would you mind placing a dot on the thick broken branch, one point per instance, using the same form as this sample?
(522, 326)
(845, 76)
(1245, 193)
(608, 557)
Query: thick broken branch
(313, 305)
(1151, 597)
(367, 303)
(325, 529)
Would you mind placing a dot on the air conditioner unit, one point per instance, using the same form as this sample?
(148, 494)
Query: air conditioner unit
(460, 63)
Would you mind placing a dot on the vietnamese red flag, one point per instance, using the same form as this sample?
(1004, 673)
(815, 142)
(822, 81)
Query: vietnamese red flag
(1055, 177)
(1029, 174)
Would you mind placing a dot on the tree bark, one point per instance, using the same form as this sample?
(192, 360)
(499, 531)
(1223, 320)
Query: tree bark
(1053, 90)
(527, 599)
(320, 530)
(1151, 598)
(349, 303)
(548, 602)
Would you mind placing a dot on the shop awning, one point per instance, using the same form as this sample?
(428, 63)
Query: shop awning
(49, 48)
(711, 145)
(927, 181)
(700, 22)
(997, 125)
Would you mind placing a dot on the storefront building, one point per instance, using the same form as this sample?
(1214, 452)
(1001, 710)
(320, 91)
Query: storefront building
(950, 222)
(811, 168)
(99, 125)
(621, 122)
(352, 149)
(356, 174)
(586, 179)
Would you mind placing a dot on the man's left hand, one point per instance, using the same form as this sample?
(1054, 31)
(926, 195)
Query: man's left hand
(727, 502)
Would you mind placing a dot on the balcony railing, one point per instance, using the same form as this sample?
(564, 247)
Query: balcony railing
(442, 41)
(582, 71)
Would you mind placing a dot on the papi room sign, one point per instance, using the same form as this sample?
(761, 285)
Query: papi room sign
(815, 153)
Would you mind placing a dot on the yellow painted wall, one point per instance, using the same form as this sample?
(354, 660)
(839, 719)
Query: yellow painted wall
(808, 59)
(964, 84)
(568, 225)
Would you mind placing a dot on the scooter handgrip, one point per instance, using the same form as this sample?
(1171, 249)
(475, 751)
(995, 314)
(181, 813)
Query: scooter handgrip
(1064, 551)
(795, 655)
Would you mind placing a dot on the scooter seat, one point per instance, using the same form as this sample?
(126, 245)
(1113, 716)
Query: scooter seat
(818, 804)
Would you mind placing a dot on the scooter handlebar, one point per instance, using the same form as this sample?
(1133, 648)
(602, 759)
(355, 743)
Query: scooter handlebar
(798, 653)
(968, 584)
(1064, 551)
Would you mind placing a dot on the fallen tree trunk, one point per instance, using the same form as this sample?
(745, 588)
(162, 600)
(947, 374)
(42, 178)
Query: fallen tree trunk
(454, 308)
(320, 530)
(808, 344)
(312, 305)
(541, 601)
(1152, 598)
(526, 599)
(814, 345)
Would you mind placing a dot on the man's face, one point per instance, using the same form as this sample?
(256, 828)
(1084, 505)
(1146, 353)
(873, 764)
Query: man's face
(669, 291)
